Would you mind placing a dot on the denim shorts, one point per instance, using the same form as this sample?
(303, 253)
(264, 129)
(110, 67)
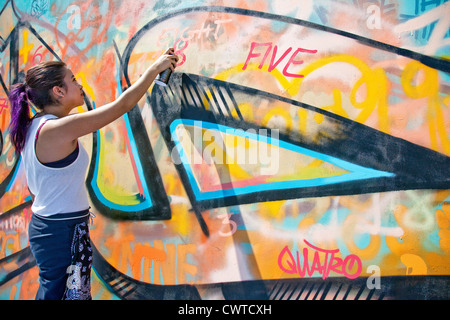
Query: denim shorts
(62, 249)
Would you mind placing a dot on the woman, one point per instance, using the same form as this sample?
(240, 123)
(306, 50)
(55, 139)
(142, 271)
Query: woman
(55, 166)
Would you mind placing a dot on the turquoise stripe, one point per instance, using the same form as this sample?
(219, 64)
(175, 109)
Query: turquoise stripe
(356, 172)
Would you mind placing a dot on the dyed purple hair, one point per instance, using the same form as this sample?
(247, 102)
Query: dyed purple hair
(39, 81)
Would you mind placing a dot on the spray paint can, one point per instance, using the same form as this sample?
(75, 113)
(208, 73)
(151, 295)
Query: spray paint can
(163, 78)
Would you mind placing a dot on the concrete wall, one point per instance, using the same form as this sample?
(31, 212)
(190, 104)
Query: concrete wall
(301, 150)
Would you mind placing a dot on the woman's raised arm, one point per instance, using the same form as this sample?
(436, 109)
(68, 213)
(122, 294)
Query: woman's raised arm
(67, 129)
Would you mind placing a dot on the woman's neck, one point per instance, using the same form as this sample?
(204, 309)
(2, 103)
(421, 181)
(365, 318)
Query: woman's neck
(57, 111)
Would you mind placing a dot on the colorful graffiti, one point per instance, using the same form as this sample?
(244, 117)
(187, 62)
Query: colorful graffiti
(300, 151)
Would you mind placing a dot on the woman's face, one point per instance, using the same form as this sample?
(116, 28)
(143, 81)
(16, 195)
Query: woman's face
(74, 95)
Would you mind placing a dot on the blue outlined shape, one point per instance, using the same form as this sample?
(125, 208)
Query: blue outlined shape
(146, 202)
(150, 202)
(356, 172)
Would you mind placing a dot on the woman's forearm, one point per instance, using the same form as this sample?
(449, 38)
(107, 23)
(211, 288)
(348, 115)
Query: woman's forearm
(136, 91)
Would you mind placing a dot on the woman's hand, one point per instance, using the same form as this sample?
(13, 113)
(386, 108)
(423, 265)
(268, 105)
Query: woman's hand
(167, 60)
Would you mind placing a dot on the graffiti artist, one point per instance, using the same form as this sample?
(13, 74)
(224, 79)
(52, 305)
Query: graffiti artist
(55, 164)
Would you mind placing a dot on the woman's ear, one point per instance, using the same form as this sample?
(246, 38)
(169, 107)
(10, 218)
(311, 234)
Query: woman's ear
(58, 92)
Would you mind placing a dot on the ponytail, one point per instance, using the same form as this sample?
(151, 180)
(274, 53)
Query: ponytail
(20, 116)
(39, 81)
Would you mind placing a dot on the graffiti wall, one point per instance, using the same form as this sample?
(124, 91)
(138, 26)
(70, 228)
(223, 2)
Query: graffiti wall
(300, 151)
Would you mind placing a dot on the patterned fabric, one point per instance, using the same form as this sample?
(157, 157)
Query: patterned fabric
(78, 285)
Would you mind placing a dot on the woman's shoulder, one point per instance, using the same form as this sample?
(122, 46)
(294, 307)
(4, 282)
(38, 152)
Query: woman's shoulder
(41, 118)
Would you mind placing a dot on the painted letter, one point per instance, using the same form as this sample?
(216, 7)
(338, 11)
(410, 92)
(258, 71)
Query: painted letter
(348, 263)
(290, 261)
(254, 55)
(274, 65)
(293, 61)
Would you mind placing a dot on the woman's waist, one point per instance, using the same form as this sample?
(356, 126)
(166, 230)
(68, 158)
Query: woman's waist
(64, 216)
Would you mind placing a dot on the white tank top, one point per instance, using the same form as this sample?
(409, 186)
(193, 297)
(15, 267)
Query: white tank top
(56, 190)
